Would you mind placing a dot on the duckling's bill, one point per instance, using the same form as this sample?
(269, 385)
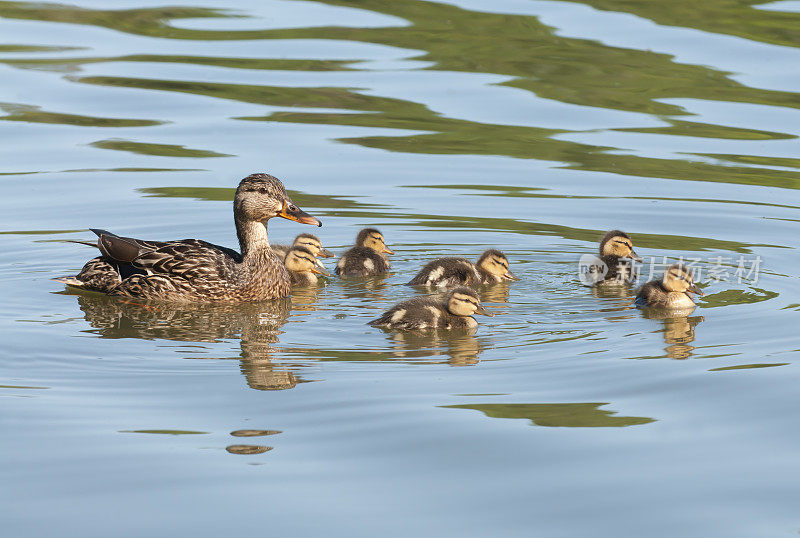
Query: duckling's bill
(319, 269)
(694, 289)
(481, 310)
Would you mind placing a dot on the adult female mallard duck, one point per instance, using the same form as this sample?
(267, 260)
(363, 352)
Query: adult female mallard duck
(420, 313)
(303, 266)
(616, 252)
(671, 291)
(492, 267)
(367, 257)
(194, 270)
(309, 241)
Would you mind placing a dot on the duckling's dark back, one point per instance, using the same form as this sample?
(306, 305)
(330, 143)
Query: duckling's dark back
(652, 294)
(361, 261)
(422, 313)
(447, 272)
(619, 269)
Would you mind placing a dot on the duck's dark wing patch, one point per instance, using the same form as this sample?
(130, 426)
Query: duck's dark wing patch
(191, 259)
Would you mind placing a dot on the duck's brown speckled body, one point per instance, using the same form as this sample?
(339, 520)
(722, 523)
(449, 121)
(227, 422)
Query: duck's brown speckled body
(194, 270)
(433, 313)
(368, 257)
(491, 268)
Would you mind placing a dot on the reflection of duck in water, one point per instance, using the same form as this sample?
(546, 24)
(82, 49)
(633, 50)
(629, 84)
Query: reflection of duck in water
(368, 257)
(257, 326)
(462, 348)
(616, 252)
(193, 270)
(491, 268)
(679, 330)
(421, 313)
(671, 291)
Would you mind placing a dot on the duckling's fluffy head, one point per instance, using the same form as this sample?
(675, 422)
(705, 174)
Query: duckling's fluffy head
(372, 238)
(495, 262)
(617, 243)
(312, 243)
(464, 301)
(301, 260)
(679, 278)
(260, 197)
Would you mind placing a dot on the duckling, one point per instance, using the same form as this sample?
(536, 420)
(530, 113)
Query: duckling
(492, 267)
(616, 251)
(309, 241)
(303, 266)
(454, 312)
(671, 291)
(367, 257)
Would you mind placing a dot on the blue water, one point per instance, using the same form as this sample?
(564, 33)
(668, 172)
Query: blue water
(528, 126)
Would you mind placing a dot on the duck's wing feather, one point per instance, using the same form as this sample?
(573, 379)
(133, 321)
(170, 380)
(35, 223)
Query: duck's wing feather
(188, 258)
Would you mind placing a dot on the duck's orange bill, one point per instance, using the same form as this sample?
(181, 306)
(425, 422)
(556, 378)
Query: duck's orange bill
(292, 212)
(386, 250)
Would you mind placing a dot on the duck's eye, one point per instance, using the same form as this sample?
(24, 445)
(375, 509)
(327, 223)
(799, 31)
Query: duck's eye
(263, 190)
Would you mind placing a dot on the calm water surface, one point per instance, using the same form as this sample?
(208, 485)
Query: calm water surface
(529, 126)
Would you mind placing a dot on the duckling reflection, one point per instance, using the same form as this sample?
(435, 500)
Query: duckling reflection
(304, 298)
(608, 291)
(256, 325)
(369, 287)
(494, 293)
(461, 347)
(678, 332)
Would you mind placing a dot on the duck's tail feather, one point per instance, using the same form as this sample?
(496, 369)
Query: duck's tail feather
(87, 243)
(71, 281)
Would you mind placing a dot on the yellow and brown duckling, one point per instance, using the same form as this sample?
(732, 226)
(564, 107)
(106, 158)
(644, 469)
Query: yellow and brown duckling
(455, 311)
(309, 241)
(303, 266)
(671, 291)
(194, 270)
(491, 268)
(368, 257)
(616, 251)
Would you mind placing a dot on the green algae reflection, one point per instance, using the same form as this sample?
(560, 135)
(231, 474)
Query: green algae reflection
(560, 415)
